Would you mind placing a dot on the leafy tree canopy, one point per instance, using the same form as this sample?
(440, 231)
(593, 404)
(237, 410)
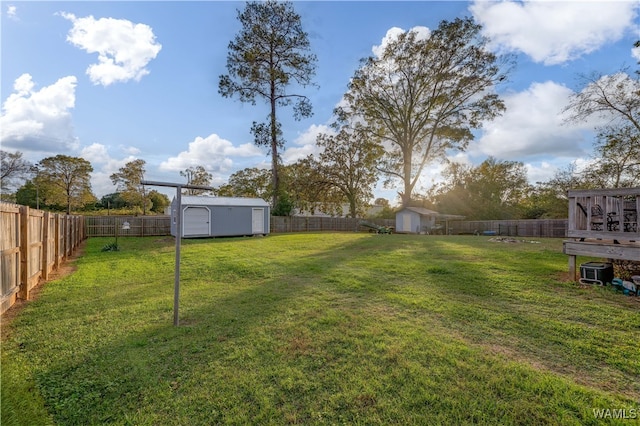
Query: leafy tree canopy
(493, 190)
(13, 168)
(128, 181)
(269, 55)
(249, 182)
(65, 181)
(423, 96)
(197, 175)
(348, 163)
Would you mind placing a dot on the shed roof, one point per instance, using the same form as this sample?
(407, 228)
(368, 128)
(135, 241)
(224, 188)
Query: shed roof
(223, 201)
(426, 212)
(422, 211)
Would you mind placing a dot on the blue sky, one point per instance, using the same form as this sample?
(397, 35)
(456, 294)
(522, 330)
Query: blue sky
(115, 81)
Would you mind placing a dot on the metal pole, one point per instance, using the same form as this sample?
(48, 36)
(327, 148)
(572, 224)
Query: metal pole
(176, 284)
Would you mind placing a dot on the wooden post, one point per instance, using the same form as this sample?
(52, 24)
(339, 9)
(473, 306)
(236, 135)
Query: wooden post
(74, 234)
(572, 268)
(65, 236)
(45, 246)
(24, 253)
(57, 241)
(70, 232)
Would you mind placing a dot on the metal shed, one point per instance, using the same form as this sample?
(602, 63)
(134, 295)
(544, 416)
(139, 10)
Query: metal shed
(420, 220)
(221, 216)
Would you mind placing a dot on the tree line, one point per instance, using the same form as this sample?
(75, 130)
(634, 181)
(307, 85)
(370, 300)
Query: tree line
(63, 183)
(405, 109)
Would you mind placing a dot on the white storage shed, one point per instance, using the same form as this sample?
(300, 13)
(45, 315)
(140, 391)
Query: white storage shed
(419, 220)
(204, 216)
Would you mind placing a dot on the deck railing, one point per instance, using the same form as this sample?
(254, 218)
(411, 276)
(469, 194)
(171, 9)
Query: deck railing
(608, 214)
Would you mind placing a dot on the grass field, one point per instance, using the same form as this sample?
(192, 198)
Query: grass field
(323, 329)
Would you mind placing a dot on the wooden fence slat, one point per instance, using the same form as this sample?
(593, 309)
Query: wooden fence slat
(10, 265)
(24, 253)
(33, 244)
(45, 247)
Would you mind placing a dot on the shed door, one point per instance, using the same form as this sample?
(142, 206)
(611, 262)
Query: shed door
(406, 222)
(196, 221)
(257, 221)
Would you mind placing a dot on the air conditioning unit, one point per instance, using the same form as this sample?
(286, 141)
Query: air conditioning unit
(596, 273)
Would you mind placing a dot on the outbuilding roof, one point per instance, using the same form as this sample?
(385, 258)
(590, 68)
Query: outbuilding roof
(426, 212)
(222, 201)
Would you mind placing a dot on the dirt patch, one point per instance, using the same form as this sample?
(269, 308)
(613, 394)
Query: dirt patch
(66, 268)
(565, 277)
(165, 240)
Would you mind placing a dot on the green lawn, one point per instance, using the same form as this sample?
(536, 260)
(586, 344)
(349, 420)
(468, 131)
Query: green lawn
(325, 328)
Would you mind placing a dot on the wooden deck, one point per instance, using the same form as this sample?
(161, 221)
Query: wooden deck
(603, 223)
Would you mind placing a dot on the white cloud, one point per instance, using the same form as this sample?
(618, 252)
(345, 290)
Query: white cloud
(95, 153)
(554, 32)
(39, 120)
(542, 172)
(393, 33)
(635, 53)
(305, 143)
(124, 48)
(533, 126)
(131, 150)
(23, 84)
(104, 165)
(584, 163)
(12, 12)
(212, 152)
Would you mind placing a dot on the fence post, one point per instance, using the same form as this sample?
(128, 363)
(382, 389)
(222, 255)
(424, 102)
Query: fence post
(67, 236)
(64, 234)
(75, 234)
(45, 246)
(24, 253)
(57, 240)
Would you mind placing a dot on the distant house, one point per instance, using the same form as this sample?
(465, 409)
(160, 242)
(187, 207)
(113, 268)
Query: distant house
(419, 220)
(220, 216)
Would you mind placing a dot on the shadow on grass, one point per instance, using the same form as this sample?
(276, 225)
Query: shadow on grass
(109, 380)
(379, 329)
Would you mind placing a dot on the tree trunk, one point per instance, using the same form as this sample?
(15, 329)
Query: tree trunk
(144, 202)
(352, 208)
(68, 200)
(408, 188)
(274, 147)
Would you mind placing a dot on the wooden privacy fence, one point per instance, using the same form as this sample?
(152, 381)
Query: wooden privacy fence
(139, 226)
(312, 223)
(552, 228)
(147, 226)
(33, 244)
